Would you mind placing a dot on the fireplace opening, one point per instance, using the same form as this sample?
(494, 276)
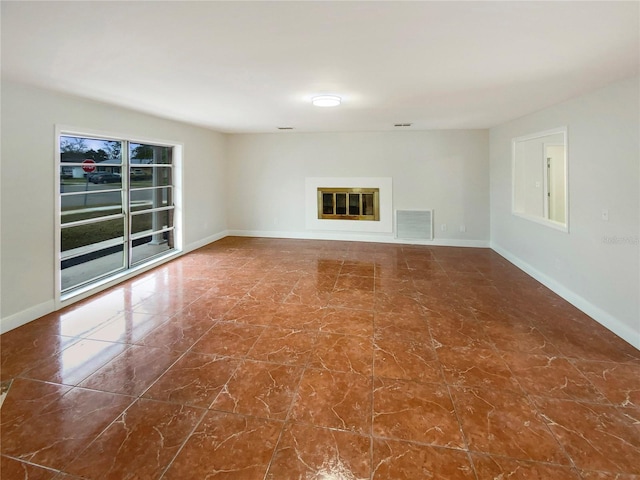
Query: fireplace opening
(349, 203)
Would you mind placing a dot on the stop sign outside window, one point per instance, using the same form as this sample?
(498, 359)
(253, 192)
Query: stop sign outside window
(88, 166)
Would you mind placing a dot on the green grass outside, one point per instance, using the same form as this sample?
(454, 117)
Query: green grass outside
(83, 235)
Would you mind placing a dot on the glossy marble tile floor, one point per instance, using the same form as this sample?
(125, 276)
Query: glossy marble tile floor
(291, 359)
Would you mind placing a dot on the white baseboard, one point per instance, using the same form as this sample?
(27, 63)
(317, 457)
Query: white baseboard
(25, 316)
(607, 320)
(358, 237)
(32, 313)
(206, 241)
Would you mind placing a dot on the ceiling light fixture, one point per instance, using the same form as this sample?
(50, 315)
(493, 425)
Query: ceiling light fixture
(326, 101)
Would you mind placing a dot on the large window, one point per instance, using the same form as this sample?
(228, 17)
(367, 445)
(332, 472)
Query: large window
(116, 207)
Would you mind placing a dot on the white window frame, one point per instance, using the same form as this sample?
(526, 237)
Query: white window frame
(67, 298)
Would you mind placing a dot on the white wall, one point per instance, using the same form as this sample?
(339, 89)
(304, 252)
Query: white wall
(442, 170)
(29, 116)
(596, 265)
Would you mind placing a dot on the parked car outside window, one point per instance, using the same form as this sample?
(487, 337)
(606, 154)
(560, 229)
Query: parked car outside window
(105, 178)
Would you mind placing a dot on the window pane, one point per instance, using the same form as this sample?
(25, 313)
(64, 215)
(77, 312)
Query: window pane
(367, 204)
(327, 203)
(151, 222)
(140, 177)
(147, 247)
(143, 177)
(82, 207)
(74, 179)
(341, 203)
(84, 235)
(141, 154)
(111, 178)
(79, 149)
(78, 270)
(151, 198)
(354, 204)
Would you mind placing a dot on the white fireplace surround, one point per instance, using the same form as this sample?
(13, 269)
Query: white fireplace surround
(384, 225)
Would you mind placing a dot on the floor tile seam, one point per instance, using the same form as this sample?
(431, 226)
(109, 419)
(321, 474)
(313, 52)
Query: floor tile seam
(551, 342)
(606, 403)
(84, 335)
(539, 415)
(285, 421)
(513, 375)
(215, 322)
(411, 380)
(632, 475)
(241, 360)
(182, 354)
(521, 393)
(77, 384)
(184, 442)
(373, 373)
(480, 453)
(333, 332)
(33, 464)
(70, 387)
(357, 432)
(617, 408)
(323, 368)
(21, 373)
(633, 362)
(87, 444)
(218, 297)
(225, 387)
(463, 434)
(573, 357)
(574, 360)
(264, 329)
(183, 307)
(180, 357)
(212, 408)
(419, 443)
(342, 334)
(432, 344)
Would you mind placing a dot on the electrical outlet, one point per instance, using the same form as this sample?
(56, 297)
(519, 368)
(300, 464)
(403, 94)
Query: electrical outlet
(605, 215)
(463, 229)
(443, 227)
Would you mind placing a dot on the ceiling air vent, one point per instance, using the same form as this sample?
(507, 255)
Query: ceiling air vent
(414, 224)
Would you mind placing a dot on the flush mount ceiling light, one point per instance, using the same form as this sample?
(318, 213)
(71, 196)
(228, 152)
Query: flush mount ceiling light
(326, 101)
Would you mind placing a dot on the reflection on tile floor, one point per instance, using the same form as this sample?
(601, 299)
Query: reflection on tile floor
(290, 359)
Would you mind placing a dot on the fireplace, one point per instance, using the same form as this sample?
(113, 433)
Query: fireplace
(337, 222)
(349, 203)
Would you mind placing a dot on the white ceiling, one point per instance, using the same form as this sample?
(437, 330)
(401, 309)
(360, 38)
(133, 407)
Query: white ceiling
(254, 66)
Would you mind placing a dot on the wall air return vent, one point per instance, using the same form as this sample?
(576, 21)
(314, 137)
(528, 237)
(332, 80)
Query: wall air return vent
(414, 224)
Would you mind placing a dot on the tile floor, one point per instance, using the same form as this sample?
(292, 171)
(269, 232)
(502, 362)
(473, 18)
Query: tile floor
(290, 359)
